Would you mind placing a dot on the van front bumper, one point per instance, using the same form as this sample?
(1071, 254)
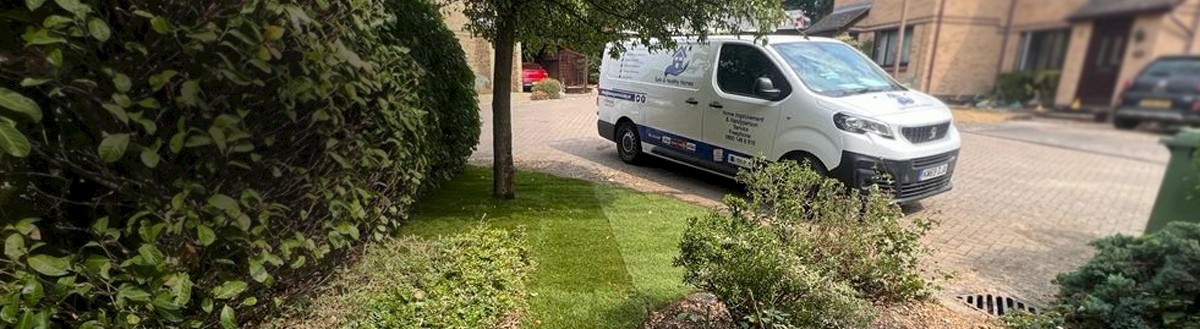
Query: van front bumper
(901, 178)
(607, 130)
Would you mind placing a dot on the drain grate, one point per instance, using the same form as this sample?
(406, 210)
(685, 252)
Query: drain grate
(995, 304)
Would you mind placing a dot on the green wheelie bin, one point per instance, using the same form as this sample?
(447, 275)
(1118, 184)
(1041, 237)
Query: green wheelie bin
(1179, 197)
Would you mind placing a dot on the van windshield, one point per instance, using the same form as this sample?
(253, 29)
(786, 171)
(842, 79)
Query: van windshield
(834, 69)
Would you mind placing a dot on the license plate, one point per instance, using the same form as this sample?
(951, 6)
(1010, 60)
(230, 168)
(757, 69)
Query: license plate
(1156, 103)
(933, 172)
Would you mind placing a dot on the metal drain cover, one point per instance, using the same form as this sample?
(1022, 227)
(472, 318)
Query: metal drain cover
(996, 304)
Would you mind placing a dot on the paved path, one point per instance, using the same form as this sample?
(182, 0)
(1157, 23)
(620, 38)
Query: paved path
(1027, 197)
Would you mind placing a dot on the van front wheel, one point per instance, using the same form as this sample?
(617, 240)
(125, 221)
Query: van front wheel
(629, 144)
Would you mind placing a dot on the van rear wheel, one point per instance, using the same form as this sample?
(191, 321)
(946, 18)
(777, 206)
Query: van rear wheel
(1125, 123)
(629, 144)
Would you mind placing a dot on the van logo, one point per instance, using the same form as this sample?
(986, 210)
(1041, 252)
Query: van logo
(903, 100)
(679, 62)
(933, 132)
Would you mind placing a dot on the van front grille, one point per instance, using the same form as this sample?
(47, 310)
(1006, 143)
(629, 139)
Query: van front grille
(918, 135)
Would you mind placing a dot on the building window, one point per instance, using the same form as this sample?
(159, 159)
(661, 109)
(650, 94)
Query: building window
(1043, 50)
(885, 46)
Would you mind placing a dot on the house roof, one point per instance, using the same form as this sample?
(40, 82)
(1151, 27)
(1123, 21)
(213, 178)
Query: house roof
(1106, 8)
(840, 18)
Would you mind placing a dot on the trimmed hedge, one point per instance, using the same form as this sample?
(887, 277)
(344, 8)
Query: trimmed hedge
(165, 163)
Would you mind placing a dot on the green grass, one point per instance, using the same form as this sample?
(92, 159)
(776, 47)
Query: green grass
(603, 253)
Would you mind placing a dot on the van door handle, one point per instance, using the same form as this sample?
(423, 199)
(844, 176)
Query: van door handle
(692, 101)
(716, 105)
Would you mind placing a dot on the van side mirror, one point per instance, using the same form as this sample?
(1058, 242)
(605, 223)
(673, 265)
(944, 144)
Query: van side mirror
(765, 88)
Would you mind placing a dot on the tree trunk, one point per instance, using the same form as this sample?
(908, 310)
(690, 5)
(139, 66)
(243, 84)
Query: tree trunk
(502, 160)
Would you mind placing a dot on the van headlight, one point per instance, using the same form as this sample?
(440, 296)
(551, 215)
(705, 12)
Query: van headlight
(860, 125)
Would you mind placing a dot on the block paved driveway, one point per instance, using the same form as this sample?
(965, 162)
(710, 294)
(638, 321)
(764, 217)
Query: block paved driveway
(1027, 198)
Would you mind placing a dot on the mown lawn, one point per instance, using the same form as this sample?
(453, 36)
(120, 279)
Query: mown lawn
(603, 253)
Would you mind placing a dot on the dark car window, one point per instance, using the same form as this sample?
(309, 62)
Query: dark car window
(1173, 67)
(739, 66)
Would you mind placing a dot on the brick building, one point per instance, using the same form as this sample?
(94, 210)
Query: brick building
(479, 52)
(956, 48)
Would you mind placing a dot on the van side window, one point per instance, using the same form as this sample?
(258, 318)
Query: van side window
(739, 66)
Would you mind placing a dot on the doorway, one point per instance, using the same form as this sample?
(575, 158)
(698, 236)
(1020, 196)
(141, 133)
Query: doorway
(1102, 65)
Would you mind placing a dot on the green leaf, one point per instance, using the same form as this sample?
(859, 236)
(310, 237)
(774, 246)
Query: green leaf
(122, 100)
(99, 29)
(117, 111)
(161, 25)
(177, 141)
(22, 105)
(224, 202)
(33, 291)
(258, 272)
(150, 254)
(148, 102)
(14, 246)
(50, 265)
(56, 21)
(113, 147)
(188, 92)
(40, 37)
(55, 57)
(229, 289)
(150, 158)
(34, 4)
(161, 79)
(205, 235)
(228, 319)
(74, 6)
(250, 301)
(12, 141)
(132, 292)
(218, 136)
(122, 82)
(31, 82)
(206, 36)
(272, 32)
(98, 264)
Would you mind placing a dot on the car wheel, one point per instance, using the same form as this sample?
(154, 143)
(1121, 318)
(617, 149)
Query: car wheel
(813, 163)
(1125, 123)
(629, 144)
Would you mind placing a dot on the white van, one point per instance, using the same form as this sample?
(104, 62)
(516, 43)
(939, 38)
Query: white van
(717, 105)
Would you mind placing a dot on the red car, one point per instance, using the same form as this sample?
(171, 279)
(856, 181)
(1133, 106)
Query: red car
(532, 73)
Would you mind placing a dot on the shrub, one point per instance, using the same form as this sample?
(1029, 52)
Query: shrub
(550, 87)
(803, 251)
(474, 279)
(471, 280)
(1151, 281)
(165, 163)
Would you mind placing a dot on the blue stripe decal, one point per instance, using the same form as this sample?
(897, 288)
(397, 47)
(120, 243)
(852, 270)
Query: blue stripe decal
(623, 95)
(695, 149)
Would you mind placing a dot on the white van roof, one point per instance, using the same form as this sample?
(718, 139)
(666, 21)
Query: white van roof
(771, 38)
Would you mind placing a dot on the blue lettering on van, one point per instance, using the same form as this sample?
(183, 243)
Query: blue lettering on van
(623, 95)
(903, 100)
(679, 62)
(699, 150)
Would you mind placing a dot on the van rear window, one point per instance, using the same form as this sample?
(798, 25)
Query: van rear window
(1174, 67)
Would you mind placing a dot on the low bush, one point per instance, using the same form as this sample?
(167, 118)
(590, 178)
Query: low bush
(1151, 281)
(474, 279)
(802, 251)
(550, 87)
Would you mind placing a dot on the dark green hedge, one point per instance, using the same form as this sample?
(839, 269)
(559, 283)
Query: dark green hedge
(165, 163)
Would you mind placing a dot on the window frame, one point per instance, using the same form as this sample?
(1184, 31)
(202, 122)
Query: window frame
(1032, 45)
(885, 40)
(779, 76)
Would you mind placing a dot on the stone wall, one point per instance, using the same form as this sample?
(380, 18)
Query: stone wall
(479, 52)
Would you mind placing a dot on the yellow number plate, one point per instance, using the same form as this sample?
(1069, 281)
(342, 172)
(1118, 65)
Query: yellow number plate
(1156, 103)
